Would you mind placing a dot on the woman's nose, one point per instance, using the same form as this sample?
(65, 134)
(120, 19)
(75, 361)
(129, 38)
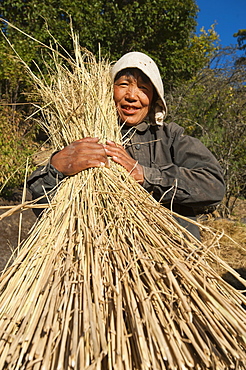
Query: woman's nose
(132, 92)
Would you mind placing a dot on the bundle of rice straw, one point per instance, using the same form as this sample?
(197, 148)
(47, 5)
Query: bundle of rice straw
(107, 279)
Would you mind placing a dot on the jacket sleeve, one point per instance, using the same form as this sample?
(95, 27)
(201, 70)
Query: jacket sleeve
(191, 176)
(41, 183)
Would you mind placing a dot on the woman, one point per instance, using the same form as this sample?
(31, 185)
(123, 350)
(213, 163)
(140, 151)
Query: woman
(176, 169)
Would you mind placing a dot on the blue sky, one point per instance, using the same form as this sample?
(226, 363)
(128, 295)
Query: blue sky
(230, 16)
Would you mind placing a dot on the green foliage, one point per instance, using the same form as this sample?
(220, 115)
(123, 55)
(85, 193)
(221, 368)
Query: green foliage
(212, 107)
(16, 135)
(241, 39)
(164, 29)
(16, 145)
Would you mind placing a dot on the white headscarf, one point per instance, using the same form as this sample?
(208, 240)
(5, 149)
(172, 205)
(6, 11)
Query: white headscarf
(149, 68)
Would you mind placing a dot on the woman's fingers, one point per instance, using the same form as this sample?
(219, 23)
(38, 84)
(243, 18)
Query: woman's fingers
(120, 156)
(87, 153)
(80, 155)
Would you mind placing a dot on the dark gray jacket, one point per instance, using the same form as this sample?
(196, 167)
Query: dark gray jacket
(177, 167)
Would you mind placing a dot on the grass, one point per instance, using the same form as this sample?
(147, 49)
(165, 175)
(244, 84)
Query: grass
(232, 245)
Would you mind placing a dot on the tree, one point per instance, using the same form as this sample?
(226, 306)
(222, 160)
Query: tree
(212, 107)
(241, 40)
(17, 144)
(164, 29)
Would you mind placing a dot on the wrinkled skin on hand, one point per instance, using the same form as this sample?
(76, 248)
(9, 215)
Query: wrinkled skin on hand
(80, 155)
(87, 153)
(119, 155)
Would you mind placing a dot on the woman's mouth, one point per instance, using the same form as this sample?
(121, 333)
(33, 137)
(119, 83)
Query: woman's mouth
(126, 109)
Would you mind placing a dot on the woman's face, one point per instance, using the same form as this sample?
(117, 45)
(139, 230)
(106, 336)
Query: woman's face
(133, 95)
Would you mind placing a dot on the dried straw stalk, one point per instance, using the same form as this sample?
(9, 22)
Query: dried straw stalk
(107, 279)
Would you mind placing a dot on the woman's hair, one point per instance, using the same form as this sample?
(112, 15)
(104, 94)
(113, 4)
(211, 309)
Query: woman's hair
(131, 72)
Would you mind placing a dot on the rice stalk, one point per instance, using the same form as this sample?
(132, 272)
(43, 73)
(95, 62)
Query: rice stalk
(107, 279)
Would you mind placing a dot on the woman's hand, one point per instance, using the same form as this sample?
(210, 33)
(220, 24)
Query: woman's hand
(80, 155)
(119, 155)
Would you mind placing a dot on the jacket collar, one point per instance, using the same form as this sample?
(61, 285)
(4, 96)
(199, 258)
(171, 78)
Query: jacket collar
(141, 127)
